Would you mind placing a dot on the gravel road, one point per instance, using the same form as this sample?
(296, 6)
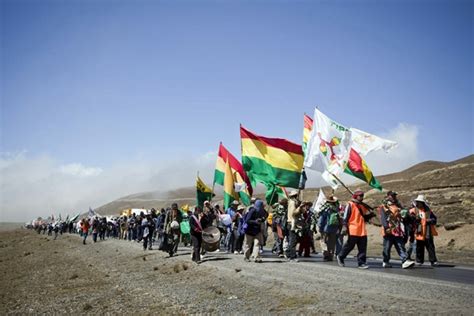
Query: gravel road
(42, 275)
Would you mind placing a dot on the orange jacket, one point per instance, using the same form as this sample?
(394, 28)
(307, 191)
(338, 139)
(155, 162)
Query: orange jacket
(85, 226)
(423, 215)
(354, 219)
(388, 223)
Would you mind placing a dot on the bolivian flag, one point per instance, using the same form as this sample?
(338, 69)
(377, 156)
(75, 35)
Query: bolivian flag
(271, 161)
(308, 126)
(229, 189)
(241, 179)
(357, 167)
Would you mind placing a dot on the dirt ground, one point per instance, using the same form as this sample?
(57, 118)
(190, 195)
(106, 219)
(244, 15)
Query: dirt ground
(41, 275)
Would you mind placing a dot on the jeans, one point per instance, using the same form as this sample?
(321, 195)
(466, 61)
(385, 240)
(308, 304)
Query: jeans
(148, 241)
(85, 237)
(388, 242)
(339, 243)
(292, 241)
(278, 245)
(239, 242)
(411, 246)
(229, 240)
(352, 241)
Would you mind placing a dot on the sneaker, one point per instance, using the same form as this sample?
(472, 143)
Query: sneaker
(236, 252)
(246, 259)
(408, 264)
(258, 260)
(419, 264)
(340, 261)
(281, 256)
(363, 266)
(434, 264)
(386, 265)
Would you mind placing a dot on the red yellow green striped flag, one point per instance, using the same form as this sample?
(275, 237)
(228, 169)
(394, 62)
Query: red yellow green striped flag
(308, 126)
(229, 189)
(357, 167)
(271, 161)
(240, 177)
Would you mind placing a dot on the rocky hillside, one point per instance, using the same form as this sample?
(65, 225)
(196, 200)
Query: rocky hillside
(449, 187)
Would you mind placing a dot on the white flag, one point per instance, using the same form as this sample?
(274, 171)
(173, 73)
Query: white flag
(318, 203)
(364, 143)
(328, 147)
(240, 187)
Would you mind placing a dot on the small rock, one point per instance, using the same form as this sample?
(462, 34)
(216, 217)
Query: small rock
(238, 270)
(87, 307)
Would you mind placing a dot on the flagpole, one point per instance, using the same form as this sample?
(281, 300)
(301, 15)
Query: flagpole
(342, 183)
(349, 190)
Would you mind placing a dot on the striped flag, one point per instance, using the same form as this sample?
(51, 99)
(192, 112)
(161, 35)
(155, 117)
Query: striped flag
(229, 189)
(271, 161)
(242, 182)
(357, 167)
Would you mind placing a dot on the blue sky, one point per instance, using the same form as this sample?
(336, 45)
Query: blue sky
(99, 83)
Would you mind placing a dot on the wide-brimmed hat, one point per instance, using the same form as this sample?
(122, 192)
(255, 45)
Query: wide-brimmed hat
(293, 193)
(331, 199)
(235, 202)
(421, 198)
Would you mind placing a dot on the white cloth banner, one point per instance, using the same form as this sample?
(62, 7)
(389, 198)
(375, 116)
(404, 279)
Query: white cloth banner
(328, 147)
(364, 143)
(319, 202)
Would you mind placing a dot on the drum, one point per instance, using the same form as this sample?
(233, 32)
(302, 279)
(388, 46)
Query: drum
(210, 238)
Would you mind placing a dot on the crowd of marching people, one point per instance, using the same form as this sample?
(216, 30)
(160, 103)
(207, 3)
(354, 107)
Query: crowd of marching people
(244, 229)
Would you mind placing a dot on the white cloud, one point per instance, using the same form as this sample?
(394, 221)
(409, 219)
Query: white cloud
(39, 186)
(78, 170)
(403, 156)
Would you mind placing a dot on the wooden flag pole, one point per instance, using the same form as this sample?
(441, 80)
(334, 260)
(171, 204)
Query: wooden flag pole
(349, 190)
(342, 183)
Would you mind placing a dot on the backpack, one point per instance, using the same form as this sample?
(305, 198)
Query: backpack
(249, 228)
(333, 219)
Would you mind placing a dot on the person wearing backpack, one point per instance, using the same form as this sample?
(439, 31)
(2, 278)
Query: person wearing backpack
(279, 221)
(294, 224)
(329, 223)
(252, 226)
(239, 230)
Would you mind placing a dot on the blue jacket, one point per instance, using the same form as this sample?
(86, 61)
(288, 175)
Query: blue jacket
(323, 222)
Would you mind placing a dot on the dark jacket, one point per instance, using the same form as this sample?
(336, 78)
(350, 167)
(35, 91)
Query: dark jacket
(195, 227)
